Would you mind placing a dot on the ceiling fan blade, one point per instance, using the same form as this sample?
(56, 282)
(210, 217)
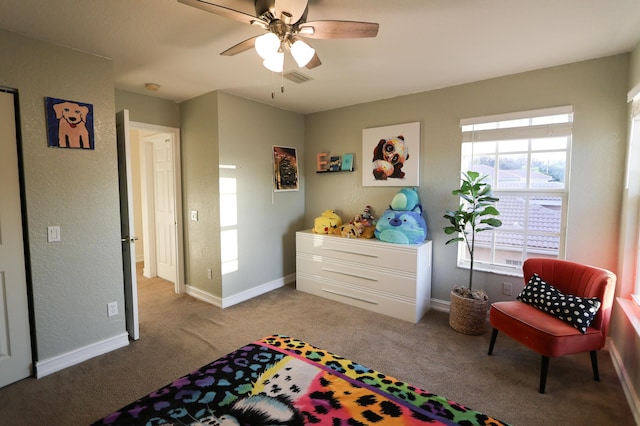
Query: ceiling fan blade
(338, 29)
(314, 62)
(240, 47)
(220, 10)
(296, 8)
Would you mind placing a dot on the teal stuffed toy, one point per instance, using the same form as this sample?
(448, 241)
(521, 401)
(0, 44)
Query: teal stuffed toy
(402, 222)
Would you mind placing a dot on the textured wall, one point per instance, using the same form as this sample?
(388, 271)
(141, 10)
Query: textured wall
(148, 109)
(199, 138)
(596, 88)
(72, 280)
(267, 221)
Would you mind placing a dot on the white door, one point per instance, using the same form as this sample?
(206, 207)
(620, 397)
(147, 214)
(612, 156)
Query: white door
(165, 213)
(126, 220)
(15, 343)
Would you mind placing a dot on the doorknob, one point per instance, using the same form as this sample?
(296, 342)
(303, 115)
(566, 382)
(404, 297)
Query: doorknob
(129, 239)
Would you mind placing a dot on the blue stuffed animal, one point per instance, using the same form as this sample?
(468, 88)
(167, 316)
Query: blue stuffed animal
(403, 223)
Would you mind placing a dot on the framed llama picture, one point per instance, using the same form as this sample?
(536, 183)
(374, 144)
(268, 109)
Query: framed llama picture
(69, 124)
(285, 169)
(391, 155)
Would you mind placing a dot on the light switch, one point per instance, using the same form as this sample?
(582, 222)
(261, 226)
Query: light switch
(194, 215)
(53, 234)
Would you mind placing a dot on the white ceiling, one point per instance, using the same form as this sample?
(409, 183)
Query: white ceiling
(421, 45)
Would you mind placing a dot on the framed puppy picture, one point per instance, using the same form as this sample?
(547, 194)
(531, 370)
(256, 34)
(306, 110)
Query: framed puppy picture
(69, 124)
(391, 155)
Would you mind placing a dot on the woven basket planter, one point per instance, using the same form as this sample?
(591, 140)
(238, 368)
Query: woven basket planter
(468, 316)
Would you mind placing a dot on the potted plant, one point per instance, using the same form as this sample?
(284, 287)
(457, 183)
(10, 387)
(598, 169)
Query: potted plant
(475, 214)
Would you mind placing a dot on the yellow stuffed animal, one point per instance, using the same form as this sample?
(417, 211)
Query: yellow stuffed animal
(327, 222)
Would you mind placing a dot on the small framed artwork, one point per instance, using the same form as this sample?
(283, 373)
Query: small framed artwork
(391, 155)
(347, 162)
(69, 124)
(285, 169)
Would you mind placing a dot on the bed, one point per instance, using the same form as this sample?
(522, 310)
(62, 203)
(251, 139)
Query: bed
(279, 380)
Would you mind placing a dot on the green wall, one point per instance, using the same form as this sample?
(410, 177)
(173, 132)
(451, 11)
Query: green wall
(267, 221)
(73, 280)
(200, 159)
(147, 109)
(596, 89)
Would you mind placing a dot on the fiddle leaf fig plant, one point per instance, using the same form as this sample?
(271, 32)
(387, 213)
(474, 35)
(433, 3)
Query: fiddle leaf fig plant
(475, 214)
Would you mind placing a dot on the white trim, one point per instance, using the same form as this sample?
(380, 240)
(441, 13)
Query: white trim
(565, 109)
(625, 381)
(524, 132)
(441, 305)
(257, 291)
(203, 295)
(60, 362)
(633, 93)
(242, 296)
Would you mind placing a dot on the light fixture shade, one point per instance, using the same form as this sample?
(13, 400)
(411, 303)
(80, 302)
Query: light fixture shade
(275, 62)
(302, 52)
(267, 44)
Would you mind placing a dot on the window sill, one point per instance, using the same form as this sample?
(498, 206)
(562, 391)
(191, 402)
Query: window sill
(632, 311)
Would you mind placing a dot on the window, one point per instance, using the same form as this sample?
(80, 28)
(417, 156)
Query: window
(631, 207)
(526, 156)
(228, 220)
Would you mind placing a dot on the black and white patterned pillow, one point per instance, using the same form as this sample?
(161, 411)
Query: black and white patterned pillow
(574, 310)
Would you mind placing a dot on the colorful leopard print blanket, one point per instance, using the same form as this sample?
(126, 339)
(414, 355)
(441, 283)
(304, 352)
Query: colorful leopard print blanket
(279, 380)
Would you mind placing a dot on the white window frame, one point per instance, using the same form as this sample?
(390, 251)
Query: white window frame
(632, 191)
(518, 126)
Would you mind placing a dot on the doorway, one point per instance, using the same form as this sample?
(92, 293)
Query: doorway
(157, 199)
(15, 334)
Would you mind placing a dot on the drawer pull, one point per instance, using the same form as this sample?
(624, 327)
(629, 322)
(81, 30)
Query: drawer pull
(337, 293)
(348, 274)
(358, 253)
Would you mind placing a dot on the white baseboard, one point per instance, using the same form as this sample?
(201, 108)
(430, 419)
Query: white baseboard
(440, 305)
(204, 296)
(239, 297)
(625, 381)
(60, 362)
(257, 291)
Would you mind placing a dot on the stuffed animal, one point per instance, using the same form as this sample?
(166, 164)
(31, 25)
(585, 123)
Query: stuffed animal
(405, 199)
(327, 222)
(402, 226)
(364, 224)
(350, 230)
(402, 222)
(389, 157)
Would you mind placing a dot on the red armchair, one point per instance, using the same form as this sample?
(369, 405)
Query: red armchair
(546, 334)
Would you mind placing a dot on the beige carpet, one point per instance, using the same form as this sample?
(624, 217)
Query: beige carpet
(180, 334)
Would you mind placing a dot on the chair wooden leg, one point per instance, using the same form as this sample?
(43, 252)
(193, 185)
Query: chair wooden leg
(594, 365)
(494, 334)
(543, 373)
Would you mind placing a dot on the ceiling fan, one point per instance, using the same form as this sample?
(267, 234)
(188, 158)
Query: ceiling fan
(286, 24)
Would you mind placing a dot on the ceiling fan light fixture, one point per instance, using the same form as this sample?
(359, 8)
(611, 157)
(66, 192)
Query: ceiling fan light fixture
(275, 62)
(302, 52)
(306, 30)
(267, 45)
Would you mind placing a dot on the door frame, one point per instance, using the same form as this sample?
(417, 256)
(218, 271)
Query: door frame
(179, 285)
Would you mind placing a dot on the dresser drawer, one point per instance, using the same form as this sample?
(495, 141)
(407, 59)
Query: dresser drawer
(397, 307)
(375, 278)
(364, 251)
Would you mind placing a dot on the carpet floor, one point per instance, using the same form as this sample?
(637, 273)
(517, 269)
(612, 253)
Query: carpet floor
(179, 334)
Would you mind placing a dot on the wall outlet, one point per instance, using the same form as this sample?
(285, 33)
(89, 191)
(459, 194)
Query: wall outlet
(506, 289)
(53, 234)
(112, 309)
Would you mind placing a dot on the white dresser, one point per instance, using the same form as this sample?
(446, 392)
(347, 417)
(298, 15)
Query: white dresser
(391, 279)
